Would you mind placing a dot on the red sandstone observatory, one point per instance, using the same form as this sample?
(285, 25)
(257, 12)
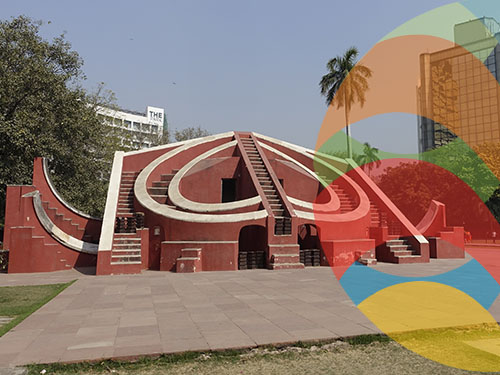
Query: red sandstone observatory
(230, 201)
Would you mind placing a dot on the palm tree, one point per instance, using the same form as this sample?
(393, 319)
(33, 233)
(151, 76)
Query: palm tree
(345, 84)
(369, 158)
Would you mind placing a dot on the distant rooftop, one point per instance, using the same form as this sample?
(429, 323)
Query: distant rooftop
(475, 30)
(138, 113)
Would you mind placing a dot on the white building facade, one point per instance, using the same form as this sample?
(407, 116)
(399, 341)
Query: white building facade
(143, 128)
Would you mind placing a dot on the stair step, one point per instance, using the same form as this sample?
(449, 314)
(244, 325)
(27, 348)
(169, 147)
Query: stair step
(159, 198)
(400, 253)
(398, 247)
(287, 266)
(395, 242)
(157, 190)
(125, 256)
(167, 177)
(127, 245)
(123, 262)
(190, 253)
(131, 253)
(160, 183)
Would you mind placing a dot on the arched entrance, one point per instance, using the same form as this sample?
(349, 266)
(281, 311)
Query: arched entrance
(310, 245)
(252, 247)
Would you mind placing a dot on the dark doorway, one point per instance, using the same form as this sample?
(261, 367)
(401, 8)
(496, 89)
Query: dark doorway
(252, 247)
(310, 245)
(228, 190)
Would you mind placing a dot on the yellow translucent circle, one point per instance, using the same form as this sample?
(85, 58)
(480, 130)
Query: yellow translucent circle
(438, 322)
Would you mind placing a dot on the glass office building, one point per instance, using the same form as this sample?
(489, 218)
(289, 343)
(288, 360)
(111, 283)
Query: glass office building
(458, 91)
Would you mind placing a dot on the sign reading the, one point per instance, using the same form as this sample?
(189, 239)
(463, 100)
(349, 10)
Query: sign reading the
(155, 116)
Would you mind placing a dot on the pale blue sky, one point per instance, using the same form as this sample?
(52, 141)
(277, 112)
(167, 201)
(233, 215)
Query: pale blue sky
(237, 65)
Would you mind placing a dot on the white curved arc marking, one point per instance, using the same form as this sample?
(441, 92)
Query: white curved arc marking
(300, 149)
(143, 197)
(360, 211)
(57, 233)
(179, 200)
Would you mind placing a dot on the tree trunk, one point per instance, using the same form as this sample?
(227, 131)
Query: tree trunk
(347, 129)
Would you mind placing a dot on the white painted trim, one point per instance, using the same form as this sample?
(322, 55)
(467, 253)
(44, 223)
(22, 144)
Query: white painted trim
(143, 197)
(180, 201)
(160, 147)
(420, 238)
(301, 149)
(57, 233)
(108, 223)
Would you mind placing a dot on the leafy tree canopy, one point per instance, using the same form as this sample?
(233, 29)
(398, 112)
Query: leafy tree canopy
(190, 133)
(44, 111)
(458, 158)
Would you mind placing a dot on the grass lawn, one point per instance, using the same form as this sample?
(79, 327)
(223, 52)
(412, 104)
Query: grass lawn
(371, 354)
(19, 302)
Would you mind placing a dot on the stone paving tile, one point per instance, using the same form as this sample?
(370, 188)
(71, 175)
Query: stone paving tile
(138, 350)
(134, 331)
(185, 333)
(17, 341)
(312, 334)
(227, 338)
(138, 340)
(182, 345)
(87, 354)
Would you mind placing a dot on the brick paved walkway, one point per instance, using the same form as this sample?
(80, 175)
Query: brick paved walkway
(161, 312)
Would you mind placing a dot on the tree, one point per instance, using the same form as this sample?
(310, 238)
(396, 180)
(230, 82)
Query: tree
(452, 174)
(44, 111)
(412, 186)
(458, 158)
(345, 84)
(493, 204)
(190, 133)
(489, 152)
(369, 158)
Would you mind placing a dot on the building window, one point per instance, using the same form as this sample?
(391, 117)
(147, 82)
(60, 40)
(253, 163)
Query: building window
(228, 190)
(154, 128)
(137, 126)
(127, 123)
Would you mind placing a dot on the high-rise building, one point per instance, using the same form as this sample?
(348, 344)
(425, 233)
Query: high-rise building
(458, 93)
(143, 129)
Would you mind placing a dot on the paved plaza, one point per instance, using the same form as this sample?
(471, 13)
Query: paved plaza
(162, 312)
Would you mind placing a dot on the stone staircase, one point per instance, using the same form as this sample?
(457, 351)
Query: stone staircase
(126, 248)
(347, 204)
(67, 225)
(377, 219)
(287, 257)
(126, 195)
(159, 190)
(399, 251)
(189, 261)
(283, 224)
